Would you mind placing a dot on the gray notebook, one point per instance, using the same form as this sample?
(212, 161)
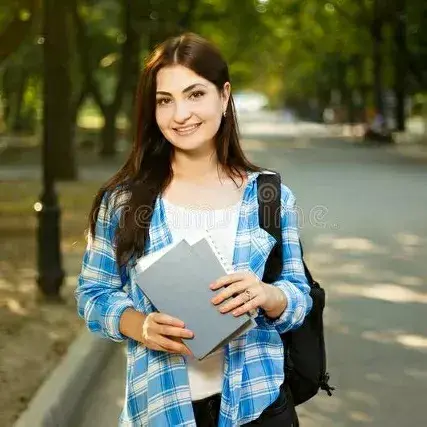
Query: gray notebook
(178, 284)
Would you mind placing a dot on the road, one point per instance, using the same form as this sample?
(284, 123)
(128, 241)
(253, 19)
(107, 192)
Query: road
(363, 221)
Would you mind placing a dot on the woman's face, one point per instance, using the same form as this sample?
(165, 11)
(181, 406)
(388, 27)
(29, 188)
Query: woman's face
(188, 108)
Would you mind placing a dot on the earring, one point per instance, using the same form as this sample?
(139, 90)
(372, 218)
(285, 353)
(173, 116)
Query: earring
(225, 113)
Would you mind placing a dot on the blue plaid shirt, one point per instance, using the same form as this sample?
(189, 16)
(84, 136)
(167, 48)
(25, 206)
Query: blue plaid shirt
(157, 389)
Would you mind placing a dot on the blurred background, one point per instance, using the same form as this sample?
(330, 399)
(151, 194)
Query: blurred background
(333, 94)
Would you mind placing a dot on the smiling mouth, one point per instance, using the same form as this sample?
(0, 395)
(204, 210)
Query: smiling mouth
(187, 130)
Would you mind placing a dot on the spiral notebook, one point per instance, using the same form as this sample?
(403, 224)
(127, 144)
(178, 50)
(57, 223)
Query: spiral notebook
(177, 283)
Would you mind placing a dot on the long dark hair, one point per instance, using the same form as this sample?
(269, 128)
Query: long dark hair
(147, 171)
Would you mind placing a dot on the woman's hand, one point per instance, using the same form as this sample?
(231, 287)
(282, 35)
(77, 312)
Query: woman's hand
(249, 293)
(164, 333)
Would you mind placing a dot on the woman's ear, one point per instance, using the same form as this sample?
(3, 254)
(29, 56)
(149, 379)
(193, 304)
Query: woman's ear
(226, 91)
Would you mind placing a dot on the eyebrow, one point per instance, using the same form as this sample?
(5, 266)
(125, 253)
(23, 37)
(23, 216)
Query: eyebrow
(187, 89)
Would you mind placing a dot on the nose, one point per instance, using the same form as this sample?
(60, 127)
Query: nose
(182, 111)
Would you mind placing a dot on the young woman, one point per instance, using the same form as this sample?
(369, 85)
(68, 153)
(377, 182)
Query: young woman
(187, 176)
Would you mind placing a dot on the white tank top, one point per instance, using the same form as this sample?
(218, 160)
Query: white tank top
(219, 226)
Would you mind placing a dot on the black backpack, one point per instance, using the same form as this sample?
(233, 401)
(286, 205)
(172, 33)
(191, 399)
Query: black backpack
(305, 357)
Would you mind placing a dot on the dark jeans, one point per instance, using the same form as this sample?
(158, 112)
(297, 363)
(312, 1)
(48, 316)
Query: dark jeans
(280, 413)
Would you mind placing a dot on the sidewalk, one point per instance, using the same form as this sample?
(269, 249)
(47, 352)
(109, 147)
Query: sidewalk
(412, 145)
(102, 407)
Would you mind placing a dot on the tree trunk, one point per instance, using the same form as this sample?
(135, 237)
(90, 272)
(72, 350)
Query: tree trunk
(346, 91)
(15, 122)
(109, 133)
(76, 104)
(362, 87)
(14, 85)
(5, 94)
(400, 63)
(62, 153)
(377, 39)
(134, 31)
(351, 112)
(129, 53)
(24, 114)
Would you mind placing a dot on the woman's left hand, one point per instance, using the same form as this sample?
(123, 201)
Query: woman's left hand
(249, 293)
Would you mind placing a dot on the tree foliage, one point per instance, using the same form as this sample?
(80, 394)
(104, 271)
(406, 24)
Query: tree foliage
(311, 52)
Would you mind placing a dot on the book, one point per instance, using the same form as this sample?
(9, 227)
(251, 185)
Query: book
(177, 283)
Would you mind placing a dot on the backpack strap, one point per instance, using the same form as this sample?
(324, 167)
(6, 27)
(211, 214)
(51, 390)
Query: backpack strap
(269, 212)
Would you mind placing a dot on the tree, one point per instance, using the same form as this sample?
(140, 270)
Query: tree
(18, 19)
(400, 62)
(21, 81)
(59, 125)
(120, 62)
(20, 64)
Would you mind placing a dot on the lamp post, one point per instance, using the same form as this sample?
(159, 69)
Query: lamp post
(49, 260)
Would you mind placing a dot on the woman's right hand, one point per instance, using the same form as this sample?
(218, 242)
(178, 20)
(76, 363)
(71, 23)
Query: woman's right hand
(164, 333)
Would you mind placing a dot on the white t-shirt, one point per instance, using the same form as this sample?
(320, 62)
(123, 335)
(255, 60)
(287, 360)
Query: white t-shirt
(219, 226)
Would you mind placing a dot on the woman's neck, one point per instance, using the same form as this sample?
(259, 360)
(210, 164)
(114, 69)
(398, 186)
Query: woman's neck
(195, 167)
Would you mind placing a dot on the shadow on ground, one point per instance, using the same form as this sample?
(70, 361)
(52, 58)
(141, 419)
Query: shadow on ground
(377, 342)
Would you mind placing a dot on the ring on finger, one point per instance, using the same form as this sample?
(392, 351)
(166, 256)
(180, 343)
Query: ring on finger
(248, 295)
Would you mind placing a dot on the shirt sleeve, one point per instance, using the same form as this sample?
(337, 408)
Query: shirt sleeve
(101, 298)
(292, 282)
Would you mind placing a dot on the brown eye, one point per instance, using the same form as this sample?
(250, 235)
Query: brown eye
(196, 95)
(162, 101)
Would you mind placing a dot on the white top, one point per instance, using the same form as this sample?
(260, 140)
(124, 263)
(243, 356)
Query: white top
(219, 226)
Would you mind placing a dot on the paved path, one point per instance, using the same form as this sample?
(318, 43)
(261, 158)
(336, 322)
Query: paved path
(101, 408)
(369, 250)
